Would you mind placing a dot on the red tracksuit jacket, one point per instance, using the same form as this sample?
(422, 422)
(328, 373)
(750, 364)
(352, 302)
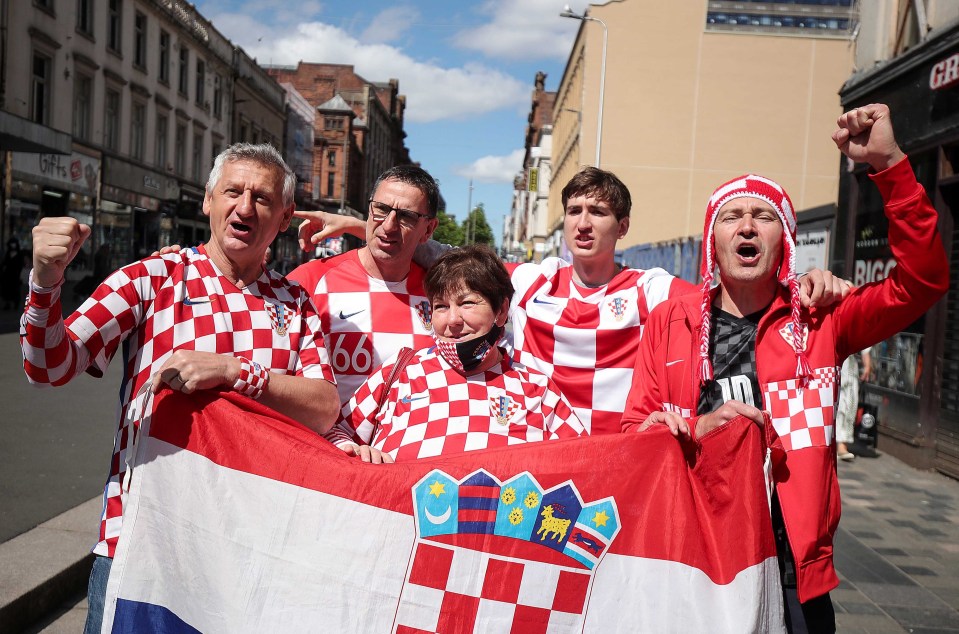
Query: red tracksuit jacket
(666, 375)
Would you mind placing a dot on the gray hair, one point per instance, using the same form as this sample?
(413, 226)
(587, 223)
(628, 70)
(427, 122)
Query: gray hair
(263, 154)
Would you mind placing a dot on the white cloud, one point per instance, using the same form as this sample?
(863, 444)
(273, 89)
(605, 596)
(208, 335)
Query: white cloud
(390, 24)
(433, 92)
(493, 169)
(531, 29)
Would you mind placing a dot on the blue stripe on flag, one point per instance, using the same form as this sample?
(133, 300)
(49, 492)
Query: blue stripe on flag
(134, 616)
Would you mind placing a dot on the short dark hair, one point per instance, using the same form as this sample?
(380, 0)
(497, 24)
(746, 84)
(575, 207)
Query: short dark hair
(417, 177)
(475, 267)
(602, 185)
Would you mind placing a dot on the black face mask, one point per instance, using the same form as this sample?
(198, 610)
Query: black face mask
(468, 355)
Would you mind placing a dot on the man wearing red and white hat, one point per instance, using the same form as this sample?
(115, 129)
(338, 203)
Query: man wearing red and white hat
(748, 345)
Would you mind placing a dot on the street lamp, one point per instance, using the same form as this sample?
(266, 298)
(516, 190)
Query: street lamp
(569, 13)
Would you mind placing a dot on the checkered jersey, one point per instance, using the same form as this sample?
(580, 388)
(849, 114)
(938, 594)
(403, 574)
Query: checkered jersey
(153, 308)
(433, 410)
(804, 417)
(586, 339)
(732, 350)
(454, 589)
(365, 321)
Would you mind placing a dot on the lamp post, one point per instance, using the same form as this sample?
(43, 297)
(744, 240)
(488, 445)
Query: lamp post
(569, 13)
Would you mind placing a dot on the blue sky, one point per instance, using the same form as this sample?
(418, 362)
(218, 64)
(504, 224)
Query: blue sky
(466, 68)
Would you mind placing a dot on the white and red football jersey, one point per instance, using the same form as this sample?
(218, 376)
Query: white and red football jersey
(586, 339)
(153, 308)
(364, 320)
(432, 409)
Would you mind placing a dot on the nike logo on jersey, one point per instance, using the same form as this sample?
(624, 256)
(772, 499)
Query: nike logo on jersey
(669, 363)
(348, 315)
(410, 398)
(537, 300)
(193, 301)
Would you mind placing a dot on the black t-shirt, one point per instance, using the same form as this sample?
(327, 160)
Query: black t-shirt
(732, 350)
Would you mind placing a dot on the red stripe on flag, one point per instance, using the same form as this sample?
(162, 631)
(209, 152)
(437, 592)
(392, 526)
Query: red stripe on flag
(476, 515)
(473, 491)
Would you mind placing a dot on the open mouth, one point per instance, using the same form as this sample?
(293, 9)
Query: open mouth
(747, 252)
(239, 227)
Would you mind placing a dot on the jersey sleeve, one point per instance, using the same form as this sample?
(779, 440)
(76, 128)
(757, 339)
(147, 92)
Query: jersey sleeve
(313, 359)
(57, 350)
(358, 416)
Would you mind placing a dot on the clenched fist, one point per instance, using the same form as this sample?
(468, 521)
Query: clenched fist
(55, 244)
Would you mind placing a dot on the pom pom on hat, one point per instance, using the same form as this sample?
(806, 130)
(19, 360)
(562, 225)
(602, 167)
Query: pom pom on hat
(772, 193)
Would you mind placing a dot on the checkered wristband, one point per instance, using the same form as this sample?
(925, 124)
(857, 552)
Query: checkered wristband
(253, 378)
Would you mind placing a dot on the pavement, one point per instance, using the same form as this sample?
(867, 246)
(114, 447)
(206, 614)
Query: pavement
(897, 554)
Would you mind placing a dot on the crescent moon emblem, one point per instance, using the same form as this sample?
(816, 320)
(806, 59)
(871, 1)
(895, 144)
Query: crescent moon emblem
(438, 519)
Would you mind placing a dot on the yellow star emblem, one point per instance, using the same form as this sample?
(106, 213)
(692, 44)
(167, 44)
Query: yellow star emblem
(600, 518)
(437, 488)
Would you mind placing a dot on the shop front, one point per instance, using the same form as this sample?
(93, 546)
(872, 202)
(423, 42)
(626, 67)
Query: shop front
(913, 384)
(42, 185)
(135, 216)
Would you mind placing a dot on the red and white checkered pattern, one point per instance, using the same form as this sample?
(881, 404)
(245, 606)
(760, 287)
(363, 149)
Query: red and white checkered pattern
(153, 308)
(584, 339)
(803, 417)
(365, 321)
(252, 379)
(434, 410)
(453, 589)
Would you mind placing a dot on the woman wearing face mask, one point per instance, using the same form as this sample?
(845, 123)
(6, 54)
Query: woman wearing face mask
(465, 392)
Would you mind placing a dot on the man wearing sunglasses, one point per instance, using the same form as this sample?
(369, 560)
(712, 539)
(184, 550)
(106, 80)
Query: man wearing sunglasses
(371, 300)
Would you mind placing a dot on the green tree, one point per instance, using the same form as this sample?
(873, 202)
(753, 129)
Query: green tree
(477, 229)
(447, 231)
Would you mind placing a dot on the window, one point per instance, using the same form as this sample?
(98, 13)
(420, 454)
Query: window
(184, 69)
(138, 121)
(85, 17)
(40, 94)
(111, 120)
(200, 81)
(333, 124)
(331, 158)
(218, 96)
(82, 96)
(197, 154)
(114, 25)
(330, 181)
(164, 72)
(179, 149)
(161, 134)
(140, 40)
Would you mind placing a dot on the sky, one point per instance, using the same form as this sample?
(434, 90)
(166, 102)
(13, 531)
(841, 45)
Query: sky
(466, 68)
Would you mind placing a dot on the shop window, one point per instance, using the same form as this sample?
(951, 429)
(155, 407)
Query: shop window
(164, 70)
(138, 117)
(40, 94)
(85, 17)
(140, 40)
(111, 120)
(114, 25)
(82, 96)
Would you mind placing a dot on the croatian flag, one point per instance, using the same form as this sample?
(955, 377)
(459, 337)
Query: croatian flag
(238, 520)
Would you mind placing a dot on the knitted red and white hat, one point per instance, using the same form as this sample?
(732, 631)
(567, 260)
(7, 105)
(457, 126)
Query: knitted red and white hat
(772, 193)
